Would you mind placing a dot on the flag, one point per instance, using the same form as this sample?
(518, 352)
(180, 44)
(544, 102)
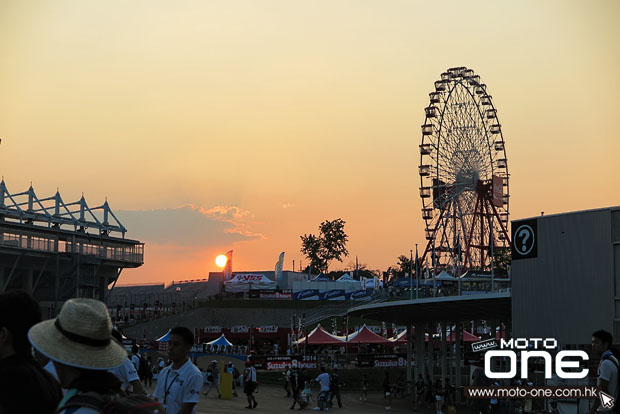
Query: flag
(279, 264)
(228, 267)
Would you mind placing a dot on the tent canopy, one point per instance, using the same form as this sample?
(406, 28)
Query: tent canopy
(321, 278)
(221, 341)
(366, 336)
(346, 278)
(320, 336)
(165, 337)
(244, 282)
(445, 276)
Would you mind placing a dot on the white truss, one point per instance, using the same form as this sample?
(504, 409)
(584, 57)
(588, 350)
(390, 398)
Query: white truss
(27, 208)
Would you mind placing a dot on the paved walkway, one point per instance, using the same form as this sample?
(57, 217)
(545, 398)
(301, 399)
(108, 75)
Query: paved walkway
(272, 399)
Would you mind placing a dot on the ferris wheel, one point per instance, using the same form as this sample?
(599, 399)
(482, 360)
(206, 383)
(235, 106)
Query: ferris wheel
(463, 176)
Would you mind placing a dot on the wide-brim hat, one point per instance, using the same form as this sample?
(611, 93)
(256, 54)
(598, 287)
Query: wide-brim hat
(80, 336)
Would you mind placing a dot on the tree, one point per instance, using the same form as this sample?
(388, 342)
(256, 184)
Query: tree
(502, 258)
(329, 245)
(404, 265)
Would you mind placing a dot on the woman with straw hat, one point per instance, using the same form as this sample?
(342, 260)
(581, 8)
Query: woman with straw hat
(79, 342)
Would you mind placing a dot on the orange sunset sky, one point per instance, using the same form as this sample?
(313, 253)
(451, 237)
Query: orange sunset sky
(232, 124)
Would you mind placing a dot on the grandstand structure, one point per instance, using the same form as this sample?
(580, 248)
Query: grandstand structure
(57, 250)
(159, 298)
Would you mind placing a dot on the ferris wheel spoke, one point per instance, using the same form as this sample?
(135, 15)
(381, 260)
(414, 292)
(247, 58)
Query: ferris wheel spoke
(464, 149)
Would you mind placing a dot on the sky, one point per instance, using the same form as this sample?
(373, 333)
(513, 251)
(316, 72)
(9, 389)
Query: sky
(242, 124)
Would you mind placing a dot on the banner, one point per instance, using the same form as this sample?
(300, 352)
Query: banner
(239, 329)
(268, 329)
(307, 294)
(358, 295)
(390, 361)
(212, 329)
(279, 264)
(338, 294)
(285, 362)
(228, 267)
(275, 295)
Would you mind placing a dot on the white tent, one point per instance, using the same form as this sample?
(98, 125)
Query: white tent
(244, 282)
(445, 276)
(346, 278)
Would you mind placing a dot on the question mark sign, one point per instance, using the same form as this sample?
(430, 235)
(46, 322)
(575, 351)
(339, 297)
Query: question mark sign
(525, 233)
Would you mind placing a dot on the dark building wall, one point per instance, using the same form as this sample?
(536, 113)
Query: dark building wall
(569, 290)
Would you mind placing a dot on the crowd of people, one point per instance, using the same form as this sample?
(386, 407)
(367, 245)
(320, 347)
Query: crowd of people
(76, 364)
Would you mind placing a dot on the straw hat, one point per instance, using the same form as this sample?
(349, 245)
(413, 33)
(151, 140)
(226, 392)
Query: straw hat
(80, 336)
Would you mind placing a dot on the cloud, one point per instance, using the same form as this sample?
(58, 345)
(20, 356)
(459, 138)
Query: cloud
(190, 225)
(288, 205)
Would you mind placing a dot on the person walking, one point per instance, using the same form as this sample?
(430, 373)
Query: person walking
(608, 370)
(364, 388)
(178, 385)
(295, 387)
(249, 376)
(21, 376)
(336, 385)
(213, 378)
(126, 373)
(322, 399)
(387, 390)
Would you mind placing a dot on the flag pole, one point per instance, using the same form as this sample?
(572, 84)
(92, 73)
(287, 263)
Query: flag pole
(417, 273)
(411, 275)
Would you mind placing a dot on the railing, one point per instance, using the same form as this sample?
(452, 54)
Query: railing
(51, 244)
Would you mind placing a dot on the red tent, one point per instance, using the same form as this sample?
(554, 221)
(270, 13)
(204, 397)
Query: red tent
(320, 336)
(401, 338)
(366, 336)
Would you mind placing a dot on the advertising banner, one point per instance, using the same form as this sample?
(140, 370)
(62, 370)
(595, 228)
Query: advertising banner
(307, 294)
(284, 362)
(338, 294)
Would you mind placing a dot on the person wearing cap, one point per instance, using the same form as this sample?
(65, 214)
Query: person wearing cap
(213, 372)
(21, 376)
(79, 342)
(178, 384)
(232, 370)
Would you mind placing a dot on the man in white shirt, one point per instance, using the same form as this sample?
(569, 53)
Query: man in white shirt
(135, 357)
(323, 397)
(249, 378)
(608, 369)
(178, 385)
(127, 373)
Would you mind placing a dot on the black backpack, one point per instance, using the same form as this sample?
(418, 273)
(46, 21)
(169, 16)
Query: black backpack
(142, 367)
(114, 404)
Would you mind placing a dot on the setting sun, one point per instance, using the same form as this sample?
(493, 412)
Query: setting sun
(221, 260)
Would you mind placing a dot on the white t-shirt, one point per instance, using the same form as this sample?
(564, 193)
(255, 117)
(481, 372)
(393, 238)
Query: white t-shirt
(607, 371)
(175, 387)
(135, 359)
(126, 373)
(323, 379)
